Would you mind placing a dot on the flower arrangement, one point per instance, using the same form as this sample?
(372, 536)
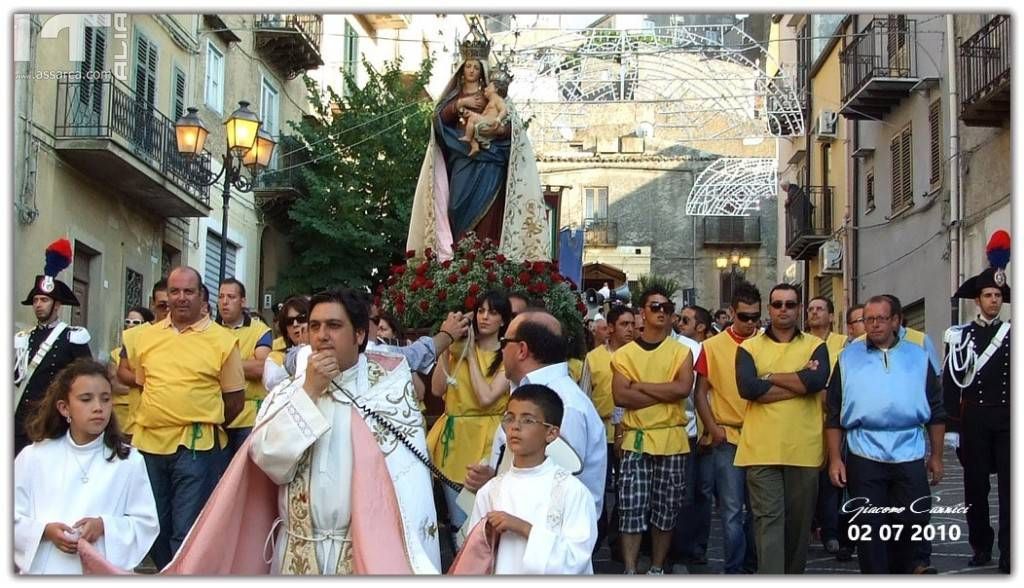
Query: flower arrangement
(422, 291)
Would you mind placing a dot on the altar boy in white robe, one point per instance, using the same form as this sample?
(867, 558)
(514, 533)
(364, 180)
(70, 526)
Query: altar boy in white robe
(80, 480)
(352, 498)
(544, 515)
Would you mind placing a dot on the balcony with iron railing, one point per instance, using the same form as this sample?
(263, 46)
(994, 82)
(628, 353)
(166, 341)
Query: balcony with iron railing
(879, 67)
(600, 232)
(985, 75)
(808, 220)
(786, 107)
(290, 41)
(283, 179)
(111, 135)
(732, 231)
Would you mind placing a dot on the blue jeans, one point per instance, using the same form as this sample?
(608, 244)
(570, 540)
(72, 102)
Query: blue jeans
(236, 437)
(181, 482)
(729, 484)
(690, 536)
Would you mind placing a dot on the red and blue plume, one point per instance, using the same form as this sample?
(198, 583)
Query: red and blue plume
(58, 257)
(998, 249)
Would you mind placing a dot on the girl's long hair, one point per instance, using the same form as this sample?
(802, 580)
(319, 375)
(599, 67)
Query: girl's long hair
(46, 422)
(497, 301)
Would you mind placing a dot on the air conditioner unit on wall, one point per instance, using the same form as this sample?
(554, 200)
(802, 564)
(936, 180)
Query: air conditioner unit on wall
(831, 257)
(828, 123)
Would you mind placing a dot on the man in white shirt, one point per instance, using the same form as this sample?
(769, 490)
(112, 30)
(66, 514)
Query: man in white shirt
(533, 350)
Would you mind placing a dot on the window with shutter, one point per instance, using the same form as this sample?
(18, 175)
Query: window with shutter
(870, 190)
(90, 93)
(897, 172)
(178, 105)
(351, 54)
(935, 162)
(269, 112)
(145, 70)
(907, 168)
(212, 273)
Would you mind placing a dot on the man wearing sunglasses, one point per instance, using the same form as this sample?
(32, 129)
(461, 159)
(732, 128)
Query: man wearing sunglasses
(782, 372)
(651, 378)
(722, 410)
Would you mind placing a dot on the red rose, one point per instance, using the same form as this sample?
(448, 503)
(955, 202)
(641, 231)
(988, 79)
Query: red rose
(399, 270)
(400, 308)
(422, 268)
(424, 306)
(557, 278)
(429, 285)
(442, 295)
(479, 244)
(429, 253)
(542, 288)
(474, 289)
(453, 279)
(538, 267)
(492, 277)
(446, 264)
(471, 256)
(524, 278)
(470, 303)
(400, 298)
(488, 264)
(527, 265)
(500, 258)
(464, 270)
(572, 287)
(581, 307)
(508, 281)
(410, 254)
(415, 285)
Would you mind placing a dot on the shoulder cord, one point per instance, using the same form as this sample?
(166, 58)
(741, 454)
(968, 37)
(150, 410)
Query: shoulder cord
(402, 439)
(470, 343)
(961, 358)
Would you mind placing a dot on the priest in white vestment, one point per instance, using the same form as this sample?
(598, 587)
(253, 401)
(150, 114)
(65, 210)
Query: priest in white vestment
(349, 501)
(58, 480)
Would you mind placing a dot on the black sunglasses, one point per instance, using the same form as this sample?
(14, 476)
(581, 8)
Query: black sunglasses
(297, 319)
(666, 307)
(503, 341)
(789, 304)
(748, 317)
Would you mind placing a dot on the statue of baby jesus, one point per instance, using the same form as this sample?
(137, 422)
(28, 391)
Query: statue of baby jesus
(481, 127)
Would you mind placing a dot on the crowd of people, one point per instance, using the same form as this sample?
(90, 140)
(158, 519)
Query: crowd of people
(762, 413)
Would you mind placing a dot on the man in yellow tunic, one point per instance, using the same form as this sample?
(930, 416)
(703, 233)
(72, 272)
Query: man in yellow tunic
(192, 383)
(254, 342)
(652, 377)
(782, 372)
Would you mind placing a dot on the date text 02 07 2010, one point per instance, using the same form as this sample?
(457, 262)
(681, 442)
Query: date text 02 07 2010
(895, 532)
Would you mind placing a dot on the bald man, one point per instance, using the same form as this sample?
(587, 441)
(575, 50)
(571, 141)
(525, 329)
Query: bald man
(533, 351)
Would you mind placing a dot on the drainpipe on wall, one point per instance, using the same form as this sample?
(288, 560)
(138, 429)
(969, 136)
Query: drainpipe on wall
(955, 193)
(851, 207)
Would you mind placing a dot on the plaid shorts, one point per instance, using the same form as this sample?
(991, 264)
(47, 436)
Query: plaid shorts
(650, 485)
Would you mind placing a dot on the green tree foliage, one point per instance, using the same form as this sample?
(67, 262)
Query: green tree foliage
(364, 153)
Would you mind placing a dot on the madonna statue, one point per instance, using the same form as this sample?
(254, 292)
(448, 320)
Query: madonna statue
(496, 193)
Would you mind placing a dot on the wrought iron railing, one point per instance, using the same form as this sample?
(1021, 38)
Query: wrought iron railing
(310, 26)
(808, 214)
(732, 230)
(106, 108)
(985, 60)
(886, 48)
(600, 232)
(285, 172)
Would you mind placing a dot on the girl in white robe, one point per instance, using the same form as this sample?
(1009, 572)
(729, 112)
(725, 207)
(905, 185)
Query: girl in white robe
(80, 480)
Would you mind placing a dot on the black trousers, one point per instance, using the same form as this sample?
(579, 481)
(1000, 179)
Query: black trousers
(984, 449)
(888, 485)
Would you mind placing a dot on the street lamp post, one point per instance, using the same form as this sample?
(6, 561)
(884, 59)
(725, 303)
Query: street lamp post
(248, 145)
(733, 261)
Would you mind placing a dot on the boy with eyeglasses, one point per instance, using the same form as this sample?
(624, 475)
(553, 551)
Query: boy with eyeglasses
(541, 516)
(722, 411)
(651, 378)
(782, 372)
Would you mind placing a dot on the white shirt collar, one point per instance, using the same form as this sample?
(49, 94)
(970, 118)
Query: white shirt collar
(546, 374)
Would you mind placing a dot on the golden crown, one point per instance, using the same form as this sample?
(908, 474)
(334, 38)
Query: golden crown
(475, 45)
